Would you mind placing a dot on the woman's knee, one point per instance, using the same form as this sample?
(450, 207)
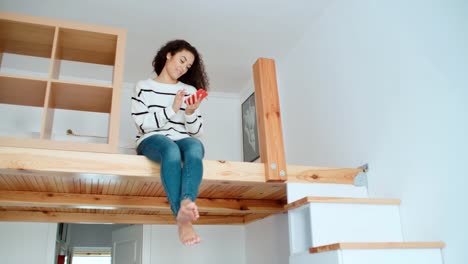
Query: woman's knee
(165, 147)
(171, 154)
(194, 150)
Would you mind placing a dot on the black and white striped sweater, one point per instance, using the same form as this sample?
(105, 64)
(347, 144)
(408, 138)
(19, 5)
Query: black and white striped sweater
(153, 114)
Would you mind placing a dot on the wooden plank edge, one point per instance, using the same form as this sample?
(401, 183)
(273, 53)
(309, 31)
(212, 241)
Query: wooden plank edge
(44, 162)
(61, 217)
(343, 200)
(378, 245)
(310, 174)
(121, 202)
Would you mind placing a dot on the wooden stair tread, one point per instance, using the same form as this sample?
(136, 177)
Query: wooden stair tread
(377, 245)
(347, 200)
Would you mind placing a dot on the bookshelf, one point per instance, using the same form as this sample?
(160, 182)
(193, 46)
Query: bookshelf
(38, 91)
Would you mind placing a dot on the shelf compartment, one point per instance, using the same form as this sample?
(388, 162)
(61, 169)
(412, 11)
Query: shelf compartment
(22, 91)
(22, 65)
(86, 127)
(21, 107)
(74, 71)
(26, 38)
(86, 46)
(19, 121)
(94, 74)
(80, 97)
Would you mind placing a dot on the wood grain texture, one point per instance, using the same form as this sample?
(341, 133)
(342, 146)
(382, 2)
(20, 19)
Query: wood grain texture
(128, 202)
(74, 184)
(116, 218)
(270, 131)
(38, 162)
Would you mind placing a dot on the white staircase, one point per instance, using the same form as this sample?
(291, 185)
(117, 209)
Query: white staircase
(352, 230)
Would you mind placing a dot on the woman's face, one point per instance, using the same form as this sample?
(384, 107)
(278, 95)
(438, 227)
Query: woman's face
(179, 63)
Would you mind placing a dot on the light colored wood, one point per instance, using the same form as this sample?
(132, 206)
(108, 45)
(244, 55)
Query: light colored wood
(63, 40)
(117, 79)
(23, 38)
(378, 245)
(22, 91)
(61, 217)
(53, 144)
(48, 113)
(305, 174)
(269, 120)
(54, 70)
(121, 202)
(87, 46)
(35, 20)
(81, 97)
(312, 199)
(55, 181)
(55, 162)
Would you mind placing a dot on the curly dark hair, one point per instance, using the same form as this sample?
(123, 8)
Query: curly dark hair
(195, 76)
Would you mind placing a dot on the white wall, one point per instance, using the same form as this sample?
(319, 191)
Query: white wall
(385, 83)
(27, 242)
(267, 241)
(220, 244)
(222, 117)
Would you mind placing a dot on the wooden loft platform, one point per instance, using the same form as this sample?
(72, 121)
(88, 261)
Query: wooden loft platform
(46, 185)
(80, 187)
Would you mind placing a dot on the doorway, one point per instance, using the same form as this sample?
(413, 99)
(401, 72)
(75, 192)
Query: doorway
(86, 243)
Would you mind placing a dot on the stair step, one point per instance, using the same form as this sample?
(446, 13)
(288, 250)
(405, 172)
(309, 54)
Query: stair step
(296, 191)
(346, 200)
(318, 221)
(378, 245)
(371, 253)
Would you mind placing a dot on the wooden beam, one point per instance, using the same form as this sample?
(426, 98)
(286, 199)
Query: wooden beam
(269, 120)
(96, 166)
(62, 217)
(116, 202)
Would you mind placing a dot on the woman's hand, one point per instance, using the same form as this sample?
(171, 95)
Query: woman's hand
(178, 99)
(192, 105)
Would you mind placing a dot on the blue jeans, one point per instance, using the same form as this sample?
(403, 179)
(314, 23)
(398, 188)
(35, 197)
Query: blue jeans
(180, 180)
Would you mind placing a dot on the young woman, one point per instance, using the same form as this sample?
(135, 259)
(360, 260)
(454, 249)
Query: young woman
(168, 126)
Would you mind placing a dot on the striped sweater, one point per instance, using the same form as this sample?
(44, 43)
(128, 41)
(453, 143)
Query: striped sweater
(153, 114)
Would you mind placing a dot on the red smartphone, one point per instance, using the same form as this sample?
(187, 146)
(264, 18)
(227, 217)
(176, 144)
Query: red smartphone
(200, 92)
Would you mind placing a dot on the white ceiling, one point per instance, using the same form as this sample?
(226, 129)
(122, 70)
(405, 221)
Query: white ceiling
(230, 35)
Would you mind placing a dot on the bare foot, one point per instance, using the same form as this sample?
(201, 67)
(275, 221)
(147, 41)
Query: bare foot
(187, 235)
(188, 211)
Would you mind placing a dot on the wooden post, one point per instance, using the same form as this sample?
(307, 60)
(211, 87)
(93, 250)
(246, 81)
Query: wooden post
(270, 131)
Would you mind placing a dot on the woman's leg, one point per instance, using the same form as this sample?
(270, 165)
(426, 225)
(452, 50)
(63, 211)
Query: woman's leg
(163, 150)
(192, 155)
(192, 152)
